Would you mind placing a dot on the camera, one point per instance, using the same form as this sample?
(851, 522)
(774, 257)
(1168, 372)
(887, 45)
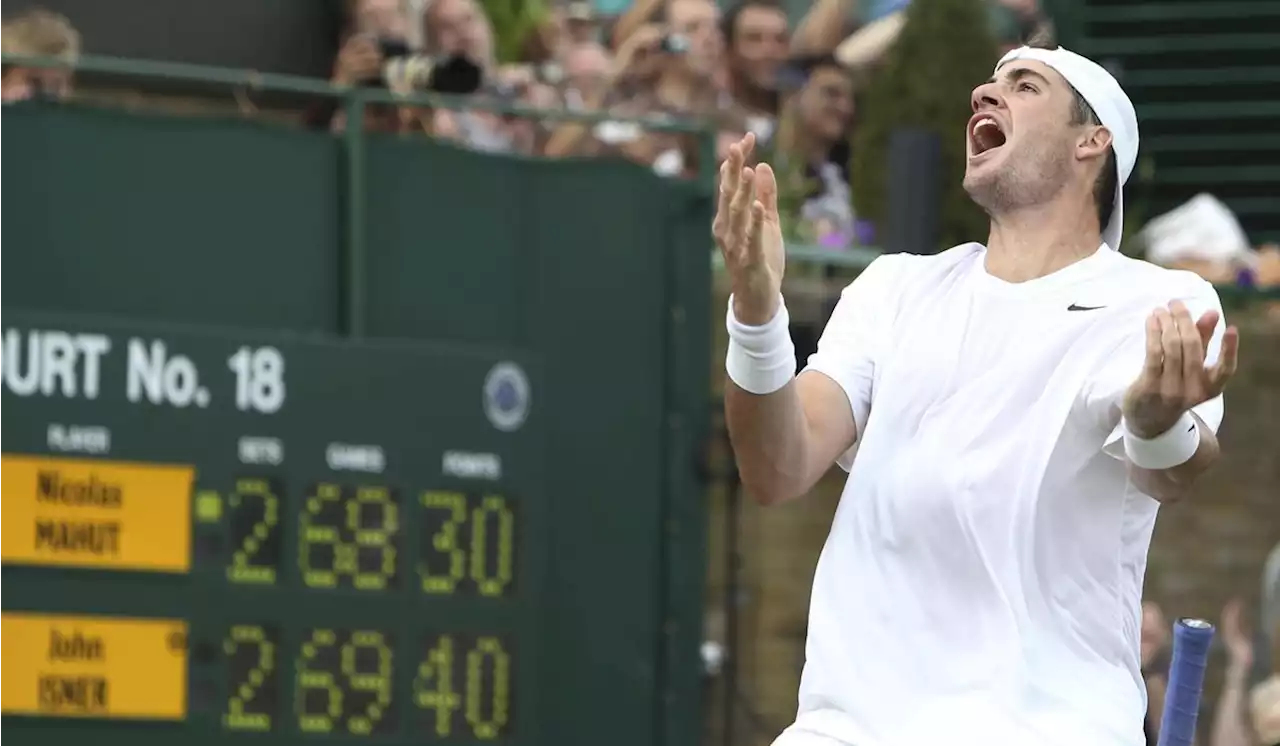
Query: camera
(674, 44)
(402, 68)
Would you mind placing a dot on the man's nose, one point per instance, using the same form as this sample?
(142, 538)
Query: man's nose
(985, 96)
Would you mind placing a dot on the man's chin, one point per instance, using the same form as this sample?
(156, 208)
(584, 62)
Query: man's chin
(976, 181)
(980, 185)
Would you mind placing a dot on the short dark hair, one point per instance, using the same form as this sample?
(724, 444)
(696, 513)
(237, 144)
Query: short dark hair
(1104, 189)
(810, 63)
(729, 21)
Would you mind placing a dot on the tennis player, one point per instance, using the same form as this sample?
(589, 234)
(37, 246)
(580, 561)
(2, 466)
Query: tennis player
(1011, 416)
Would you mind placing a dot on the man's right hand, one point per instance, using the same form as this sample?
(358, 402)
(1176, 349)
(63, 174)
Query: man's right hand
(749, 234)
(359, 60)
(637, 58)
(1236, 638)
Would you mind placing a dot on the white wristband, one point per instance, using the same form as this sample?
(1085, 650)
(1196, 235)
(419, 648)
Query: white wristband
(761, 359)
(1171, 448)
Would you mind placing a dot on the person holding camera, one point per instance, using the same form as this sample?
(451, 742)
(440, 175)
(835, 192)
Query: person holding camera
(378, 52)
(460, 28)
(658, 73)
(39, 33)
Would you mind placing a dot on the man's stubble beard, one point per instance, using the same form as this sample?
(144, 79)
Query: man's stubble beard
(1025, 180)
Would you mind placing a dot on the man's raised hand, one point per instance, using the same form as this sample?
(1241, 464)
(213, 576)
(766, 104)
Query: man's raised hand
(1174, 376)
(747, 230)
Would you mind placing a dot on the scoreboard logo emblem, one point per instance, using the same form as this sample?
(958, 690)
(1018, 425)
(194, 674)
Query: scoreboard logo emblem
(506, 396)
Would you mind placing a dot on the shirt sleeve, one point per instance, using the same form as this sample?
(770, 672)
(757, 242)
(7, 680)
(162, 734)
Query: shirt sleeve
(1104, 393)
(856, 339)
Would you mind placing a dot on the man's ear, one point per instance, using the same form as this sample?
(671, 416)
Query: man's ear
(1093, 142)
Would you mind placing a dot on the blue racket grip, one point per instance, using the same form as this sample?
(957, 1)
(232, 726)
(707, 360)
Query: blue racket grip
(1191, 639)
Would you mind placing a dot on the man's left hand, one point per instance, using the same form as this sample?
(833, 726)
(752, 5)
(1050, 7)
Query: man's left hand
(1174, 376)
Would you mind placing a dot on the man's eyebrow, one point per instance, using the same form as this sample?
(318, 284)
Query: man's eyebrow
(1018, 73)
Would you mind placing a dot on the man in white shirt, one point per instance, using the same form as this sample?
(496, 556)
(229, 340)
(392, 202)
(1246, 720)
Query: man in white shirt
(1011, 416)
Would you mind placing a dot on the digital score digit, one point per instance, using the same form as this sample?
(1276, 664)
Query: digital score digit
(349, 538)
(463, 687)
(253, 684)
(469, 544)
(344, 683)
(254, 531)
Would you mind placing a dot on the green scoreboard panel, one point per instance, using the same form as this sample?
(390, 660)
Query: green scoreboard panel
(210, 535)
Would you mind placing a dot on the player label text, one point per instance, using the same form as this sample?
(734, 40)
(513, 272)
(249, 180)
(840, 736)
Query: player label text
(65, 666)
(99, 514)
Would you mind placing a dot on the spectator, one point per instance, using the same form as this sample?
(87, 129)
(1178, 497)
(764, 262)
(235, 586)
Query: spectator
(373, 28)
(1154, 656)
(660, 75)
(38, 33)
(581, 24)
(633, 68)
(378, 52)
(1264, 707)
(695, 26)
(1013, 22)
(755, 33)
(586, 73)
(460, 27)
(1231, 723)
(384, 19)
(813, 154)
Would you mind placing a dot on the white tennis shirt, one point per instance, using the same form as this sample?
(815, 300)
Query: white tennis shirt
(982, 580)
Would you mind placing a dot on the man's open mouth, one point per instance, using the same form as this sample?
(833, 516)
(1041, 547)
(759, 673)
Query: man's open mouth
(985, 134)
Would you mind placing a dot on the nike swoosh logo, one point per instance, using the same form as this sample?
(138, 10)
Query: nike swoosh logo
(1074, 307)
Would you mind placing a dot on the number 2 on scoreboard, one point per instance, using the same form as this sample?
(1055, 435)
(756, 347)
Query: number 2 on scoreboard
(255, 533)
(250, 651)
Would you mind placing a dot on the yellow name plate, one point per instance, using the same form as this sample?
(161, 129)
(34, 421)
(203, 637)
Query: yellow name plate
(100, 514)
(97, 667)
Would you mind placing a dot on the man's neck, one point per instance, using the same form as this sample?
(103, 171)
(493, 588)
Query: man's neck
(1038, 241)
(802, 145)
(816, 150)
(753, 98)
(679, 93)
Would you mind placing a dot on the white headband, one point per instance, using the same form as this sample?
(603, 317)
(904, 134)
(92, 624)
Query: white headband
(1114, 110)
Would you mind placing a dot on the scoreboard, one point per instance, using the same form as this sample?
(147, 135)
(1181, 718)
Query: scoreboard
(210, 535)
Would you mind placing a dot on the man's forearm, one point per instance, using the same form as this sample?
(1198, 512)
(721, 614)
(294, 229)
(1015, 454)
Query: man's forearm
(785, 441)
(822, 28)
(768, 435)
(1175, 483)
(1230, 721)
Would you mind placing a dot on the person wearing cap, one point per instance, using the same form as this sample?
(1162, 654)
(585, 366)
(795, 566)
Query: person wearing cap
(1011, 416)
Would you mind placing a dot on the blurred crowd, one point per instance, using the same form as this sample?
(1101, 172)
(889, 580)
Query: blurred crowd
(743, 67)
(1247, 710)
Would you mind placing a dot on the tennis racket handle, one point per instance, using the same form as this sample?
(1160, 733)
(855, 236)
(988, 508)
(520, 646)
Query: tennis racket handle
(1191, 639)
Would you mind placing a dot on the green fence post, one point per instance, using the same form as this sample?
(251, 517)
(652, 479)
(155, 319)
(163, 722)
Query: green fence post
(354, 254)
